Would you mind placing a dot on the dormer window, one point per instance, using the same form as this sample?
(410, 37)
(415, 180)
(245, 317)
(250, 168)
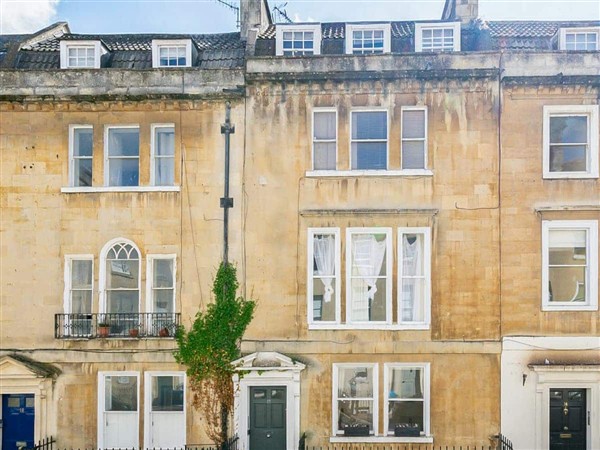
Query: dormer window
(80, 54)
(580, 39)
(172, 53)
(368, 39)
(437, 37)
(298, 40)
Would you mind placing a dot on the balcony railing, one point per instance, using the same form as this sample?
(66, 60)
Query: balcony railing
(116, 325)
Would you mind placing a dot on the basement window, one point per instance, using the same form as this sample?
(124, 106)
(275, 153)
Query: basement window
(298, 40)
(437, 37)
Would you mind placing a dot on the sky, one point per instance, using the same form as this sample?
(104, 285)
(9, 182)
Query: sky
(209, 16)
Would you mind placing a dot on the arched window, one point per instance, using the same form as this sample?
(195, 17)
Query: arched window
(121, 276)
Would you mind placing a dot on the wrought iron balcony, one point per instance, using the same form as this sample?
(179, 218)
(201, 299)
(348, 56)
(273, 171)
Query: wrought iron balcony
(116, 325)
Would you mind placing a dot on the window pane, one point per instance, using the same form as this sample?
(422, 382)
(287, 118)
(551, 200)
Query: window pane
(369, 125)
(123, 302)
(164, 172)
(567, 284)
(123, 172)
(355, 414)
(122, 274)
(167, 393)
(412, 254)
(81, 302)
(413, 124)
(369, 155)
(355, 382)
(82, 172)
(406, 383)
(405, 415)
(120, 393)
(413, 154)
(163, 273)
(324, 127)
(412, 306)
(82, 145)
(365, 303)
(163, 300)
(322, 310)
(81, 274)
(568, 158)
(325, 156)
(567, 130)
(165, 141)
(124, 142)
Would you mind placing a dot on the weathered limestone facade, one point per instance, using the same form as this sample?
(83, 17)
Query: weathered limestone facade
(489, 345)
(44, 221)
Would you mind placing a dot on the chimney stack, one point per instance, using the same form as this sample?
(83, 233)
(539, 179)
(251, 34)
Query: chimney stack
(254, 15)
(463, 10)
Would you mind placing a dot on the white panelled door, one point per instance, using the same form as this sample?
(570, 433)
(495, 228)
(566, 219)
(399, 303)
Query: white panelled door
(118, 410)
(165, 410)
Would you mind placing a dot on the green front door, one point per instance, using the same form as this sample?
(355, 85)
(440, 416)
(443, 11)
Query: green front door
(568, 419)
(268, 418)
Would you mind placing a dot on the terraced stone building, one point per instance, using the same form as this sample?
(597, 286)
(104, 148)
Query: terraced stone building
(416, 209)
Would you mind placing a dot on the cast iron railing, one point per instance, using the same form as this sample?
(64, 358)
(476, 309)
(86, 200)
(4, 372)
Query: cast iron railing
(44, 444)
(115, 325)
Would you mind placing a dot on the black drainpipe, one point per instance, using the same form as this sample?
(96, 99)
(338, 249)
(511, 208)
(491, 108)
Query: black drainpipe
(226, 202)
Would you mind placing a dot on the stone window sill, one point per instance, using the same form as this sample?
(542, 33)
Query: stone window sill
(381, 439)
(97, 189)
(369, 173)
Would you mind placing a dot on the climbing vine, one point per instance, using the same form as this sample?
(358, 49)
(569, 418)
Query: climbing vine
(209, 347)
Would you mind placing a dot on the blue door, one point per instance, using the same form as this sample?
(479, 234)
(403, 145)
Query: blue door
(18, 414)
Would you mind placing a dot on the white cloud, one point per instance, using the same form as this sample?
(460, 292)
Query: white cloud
(26, 16)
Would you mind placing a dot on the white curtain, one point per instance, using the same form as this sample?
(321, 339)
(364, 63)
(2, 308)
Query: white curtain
(367, 259)
(324, 254)
(411, 267)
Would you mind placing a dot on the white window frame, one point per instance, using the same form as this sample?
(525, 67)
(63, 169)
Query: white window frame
(389, 257)
(148, 404)
(310, 278)
(426, 232)
(153, 129)
(150, 258)
(100, 402)
(157, 44)
(312, 155)
(562, 37)
(103, 275)
(387, 36)
(334, 397)
(591, 228)
(314, 28)
(425, 169)
(67, 303)
(107, 158)
(591, 111)
(359, 172)
(425, 367)
(64, 53)
(419, 27)
(72, 157)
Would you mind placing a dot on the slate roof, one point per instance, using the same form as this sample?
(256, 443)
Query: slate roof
(528, 29)
(479, 35)
(134, 51)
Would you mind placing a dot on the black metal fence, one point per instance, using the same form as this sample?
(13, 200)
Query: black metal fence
(231, 444)
(44, 444)
(115, 325)
(504, 443)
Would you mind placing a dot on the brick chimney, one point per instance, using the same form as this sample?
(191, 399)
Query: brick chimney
(463, 10)
(255, 17)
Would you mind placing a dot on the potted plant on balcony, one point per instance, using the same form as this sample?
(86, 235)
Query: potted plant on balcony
(164, 332)
(103, 329)
(134, 331)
